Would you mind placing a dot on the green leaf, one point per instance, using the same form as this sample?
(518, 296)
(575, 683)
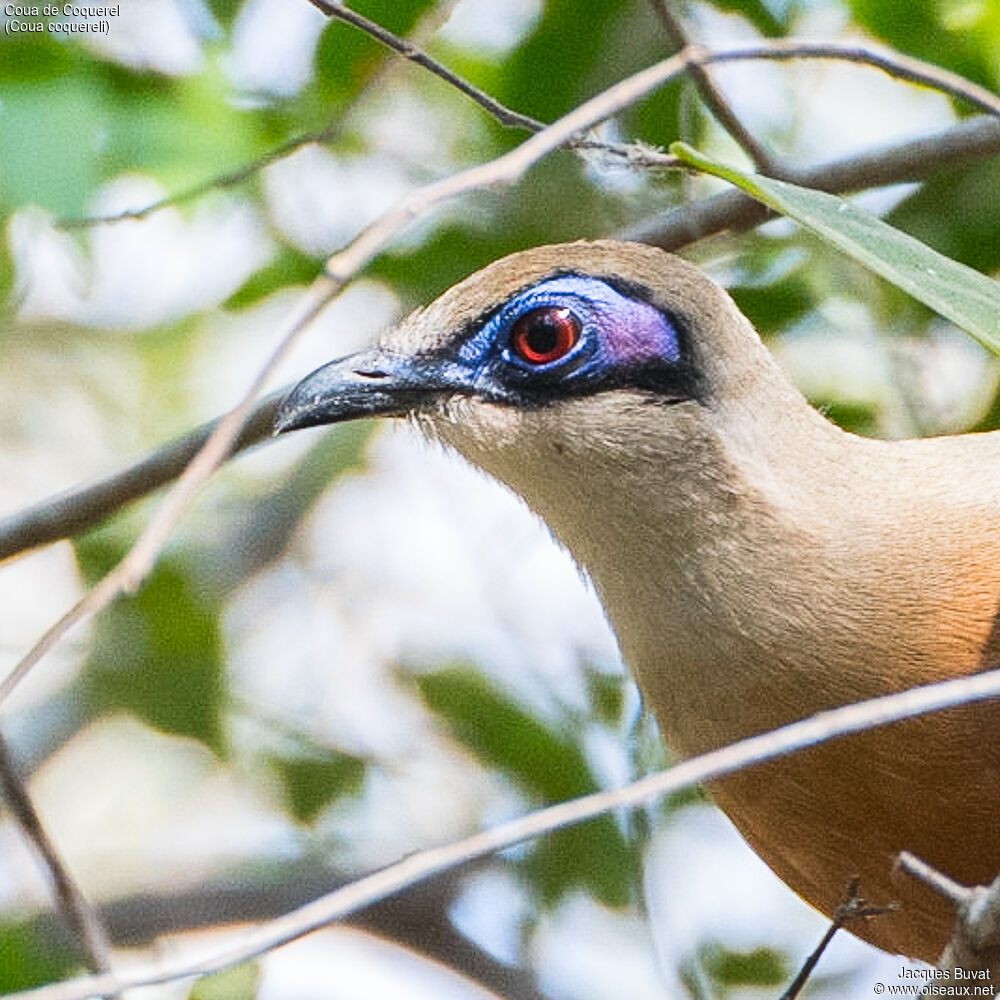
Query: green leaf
(966, 297)
(313, 782)
(757, 14)
(49, 143)
(288, 267)
(225, 11)
(577, 48)
(858, 418)
(28, 960)
(959, 36)
(505, 736)
(34, 57)
(345, 55)
(967, 231)
(157, 654)
(761, 967)
(548, 763)
(771, 307)
(237, 983)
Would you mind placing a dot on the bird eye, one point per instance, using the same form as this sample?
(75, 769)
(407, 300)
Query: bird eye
(544, 335)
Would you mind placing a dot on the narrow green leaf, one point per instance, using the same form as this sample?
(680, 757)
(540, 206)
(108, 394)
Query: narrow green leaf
(966, 297)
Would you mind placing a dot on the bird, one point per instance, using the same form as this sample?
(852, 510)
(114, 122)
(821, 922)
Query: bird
(757, 563)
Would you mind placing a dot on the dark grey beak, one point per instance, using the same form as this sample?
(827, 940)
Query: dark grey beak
(373, 383)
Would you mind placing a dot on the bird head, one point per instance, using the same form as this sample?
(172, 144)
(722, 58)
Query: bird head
(557, 364)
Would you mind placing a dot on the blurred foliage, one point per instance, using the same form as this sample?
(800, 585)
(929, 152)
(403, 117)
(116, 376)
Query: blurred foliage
(158, 653)
(74, 117)
(968, 298)
(238, 983)
(26, 961)
(546, 761)
(958, 35)
(731, 970)
(311, 783)
(967, 231)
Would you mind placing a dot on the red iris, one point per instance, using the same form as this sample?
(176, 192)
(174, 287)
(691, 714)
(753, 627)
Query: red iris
(544, 335)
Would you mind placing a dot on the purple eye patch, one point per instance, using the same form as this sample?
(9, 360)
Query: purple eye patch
(632, 331)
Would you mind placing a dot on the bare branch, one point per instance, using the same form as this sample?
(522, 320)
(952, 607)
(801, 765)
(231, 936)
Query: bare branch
(893, 63)
(237, 176)
(343, 265)
(77, 911)
(75, 511)
(418, 919)
(956, 893)
(899, 66)
(820, 728)
(854, 907)
(967, 142)
(228, 179)
(339, 269)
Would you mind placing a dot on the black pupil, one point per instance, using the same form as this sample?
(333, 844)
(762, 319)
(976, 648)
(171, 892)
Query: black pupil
(542, 337)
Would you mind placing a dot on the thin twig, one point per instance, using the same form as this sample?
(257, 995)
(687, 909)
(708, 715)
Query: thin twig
(973, 950)
(853, 908)
(895, 64)
(714, 99)
(81, 917)
(343, 265)
(509, 167)
(227, 179)
(797, 736)
(967, 142)
(942, 884)
(504, 115)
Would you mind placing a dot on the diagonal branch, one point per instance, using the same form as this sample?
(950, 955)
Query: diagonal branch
(820, 728)
(504, 115)
(899, 66)
(341, 267)
(130, 572)
(894, 64)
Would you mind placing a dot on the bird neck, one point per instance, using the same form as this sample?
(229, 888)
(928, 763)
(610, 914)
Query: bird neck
(700, 528)
(757, 563)
(727, 530)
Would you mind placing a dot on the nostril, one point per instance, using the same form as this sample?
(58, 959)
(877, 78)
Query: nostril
(372, 373)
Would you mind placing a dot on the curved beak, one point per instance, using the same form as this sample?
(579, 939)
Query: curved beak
(372, 383)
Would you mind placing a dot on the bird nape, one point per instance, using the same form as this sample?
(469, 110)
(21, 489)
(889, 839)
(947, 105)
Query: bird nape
(757, 563)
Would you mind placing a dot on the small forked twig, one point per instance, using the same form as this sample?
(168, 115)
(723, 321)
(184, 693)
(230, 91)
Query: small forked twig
(854, 907)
